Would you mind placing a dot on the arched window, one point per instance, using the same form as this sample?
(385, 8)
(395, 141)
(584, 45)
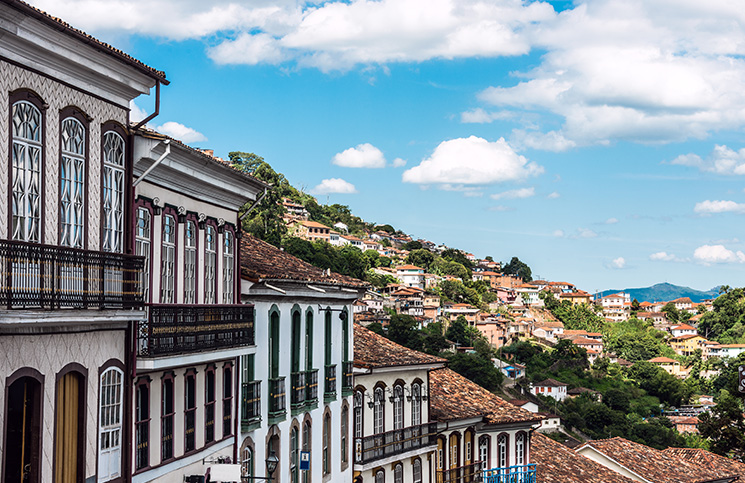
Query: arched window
(309, 340)
(190, 262)
(247, 462)
(398, 473)
(484, 452)
(227, 267)
(110, 424)
(26, 179)
(69, 424)
(227, 401)
(209, 405)
(398, 407)
(294, 467)
(379, 411)
(344, 433)
(380, 476)
(167, 412)
(502, 446)
(190, 411)
(416, 404)
(520, 449)
(72, 182)
(142, 248)
(454, 454)
(210, 264)
(440, 453)
(357, 407)
(113, 192)
(142, 425)
(306, 447)
(168, 259)
(416, 471)
(327, 443)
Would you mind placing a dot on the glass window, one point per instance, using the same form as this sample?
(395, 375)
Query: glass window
(72, 183)
(26, 172)
(166, 420)
(168, 256)
(520, 449)
(306, 447)
(210, 264)
(110, 424)
(502, 442)
(357, 407)
(190, 263)
(227, 401)
(344, 426)
(113, 192)
(484, 451)
(326, 444)
(416, 471)
(190, 410)
(380, 476)
(398, 407)
(247, 462)
(142, 248)
(227, 268)
(378, 411)
(294, 468)
(416, 404)
(209, 406)
(142, 426)
(398, 473)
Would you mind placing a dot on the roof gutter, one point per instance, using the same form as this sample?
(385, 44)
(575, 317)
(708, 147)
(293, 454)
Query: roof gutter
(163, 156)
(157, 108)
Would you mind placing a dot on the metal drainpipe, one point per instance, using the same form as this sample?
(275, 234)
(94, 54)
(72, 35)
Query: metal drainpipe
(163, 156)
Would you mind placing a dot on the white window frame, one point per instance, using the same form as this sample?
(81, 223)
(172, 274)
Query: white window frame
(111, 397)
(210, 264)
(416, 404)
(72, 182)
(398, 407)
(190, 262)
(379, 411)
(113, 192)
(26, 177)
(228, 264)
(502, 448)
(142, 247)
(416, 471)
(520, 449)
(168, 260)
(398, 473)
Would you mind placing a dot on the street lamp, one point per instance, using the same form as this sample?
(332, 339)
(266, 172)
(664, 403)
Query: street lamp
(271, 464)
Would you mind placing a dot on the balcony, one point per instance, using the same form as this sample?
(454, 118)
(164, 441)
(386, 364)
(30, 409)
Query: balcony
(510, 474)
(329, 382)
(311, 387)
(391, 443)
(463, 474)
(347, 383)
(299, 389)
(53, 277)
(250, 403)
(182, 329)
(277, 407)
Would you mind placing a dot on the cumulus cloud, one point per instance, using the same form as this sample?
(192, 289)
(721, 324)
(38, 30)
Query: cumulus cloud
(136, 113)
(721, 160)
(666, 257)
(553, 196)
(180, 132)
(398, 163)
(586, 233)
(480, 116)
(472, 161)
(361, 156)
(558, 233)
(719, 206)
(333, 185)
(710, 254)
(551, 141)
(618, 263)
(514, 194)
(611, 221)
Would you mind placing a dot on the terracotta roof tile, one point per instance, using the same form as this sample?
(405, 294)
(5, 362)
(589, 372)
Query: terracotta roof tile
(662, 360)
(652, 464)
(372, 350)
(556, 463)
(452, 396)
(261, 260)
(706, 459)
(59, 24)
(550, 383)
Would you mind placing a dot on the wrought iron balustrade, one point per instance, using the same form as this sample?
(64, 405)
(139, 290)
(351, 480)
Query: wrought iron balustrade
(178, 329)
(311, 386)
(510, 474)
(347, 381)
(33, 275)
(250, 401)
(329, 387)
(391, 443)
(463, 474)
(298, 384)
(277, 405)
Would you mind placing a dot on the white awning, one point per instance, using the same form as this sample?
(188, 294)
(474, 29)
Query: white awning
(224, 473)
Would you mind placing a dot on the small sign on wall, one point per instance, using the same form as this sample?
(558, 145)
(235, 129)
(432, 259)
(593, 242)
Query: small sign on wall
(305, 460)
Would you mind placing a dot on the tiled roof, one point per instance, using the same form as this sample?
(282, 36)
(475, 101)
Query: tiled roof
(683, 327)
(261, 260)
(652, 464)
(61, 25)
(662, 360)
(550, 383)
(314, 224)
(372, 351)
(555, 463)
(706, 459)
(452, 396)
(409, 267)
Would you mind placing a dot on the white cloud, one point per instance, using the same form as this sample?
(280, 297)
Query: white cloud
(586, 233)
(398, 163)
(708, 254)
(472, 161)
(558, 233)
(550, 141)
(136, 113)
(667, 257)
(514, 194)
(180, 132)
(719, 206)
(618, 263)
(553, 196)
(333, 185)
(611, 221)
(251, 49)
(362, 156)
(480, 116)
(721, 160)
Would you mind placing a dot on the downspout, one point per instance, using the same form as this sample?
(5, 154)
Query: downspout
(255, 203)
(163, 156)
(157, 108)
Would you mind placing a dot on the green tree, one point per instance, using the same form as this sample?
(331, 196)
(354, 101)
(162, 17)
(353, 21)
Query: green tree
(413, 245)
(516, 267)
(724, 426)
(421, 258)
(477, 369)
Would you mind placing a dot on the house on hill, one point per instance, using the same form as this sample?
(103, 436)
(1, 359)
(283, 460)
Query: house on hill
(551, 388)
(671, 366)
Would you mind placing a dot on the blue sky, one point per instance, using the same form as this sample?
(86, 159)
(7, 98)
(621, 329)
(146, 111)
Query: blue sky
(599, 141)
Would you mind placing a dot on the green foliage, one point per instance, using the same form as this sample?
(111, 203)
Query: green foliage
(329, 215)
(379, 280)
(724, 426)
(657, 382)
(386, 228)
(516, 267)
(455, 291)
(457, 256)
(346, 260)
(673, 314)
(574, 317)
(476, 368)
(413, 245)
(443, 266)
(421, 258)
(726, 323)
(636, 340)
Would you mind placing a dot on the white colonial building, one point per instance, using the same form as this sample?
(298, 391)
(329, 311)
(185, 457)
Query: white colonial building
(70, 292)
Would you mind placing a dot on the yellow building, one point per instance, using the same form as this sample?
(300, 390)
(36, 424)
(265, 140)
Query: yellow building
(685, 345)
(671, 366)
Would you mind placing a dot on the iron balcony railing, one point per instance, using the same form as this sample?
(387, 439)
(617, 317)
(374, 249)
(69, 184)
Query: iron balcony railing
(470, 473)
(347, 381)
(299, 389)
(178, 329)
(391, 443)
(277, 405)
(50, 277)
(250, 402)
(329, 387)
(510, 474)
(311, 386)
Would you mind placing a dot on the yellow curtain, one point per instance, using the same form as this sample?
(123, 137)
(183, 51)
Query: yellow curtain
(66, 439)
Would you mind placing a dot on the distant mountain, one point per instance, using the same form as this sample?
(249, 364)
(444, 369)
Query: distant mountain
(665, 291)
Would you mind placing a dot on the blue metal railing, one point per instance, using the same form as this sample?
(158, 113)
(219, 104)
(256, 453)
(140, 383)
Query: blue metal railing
(510, 474)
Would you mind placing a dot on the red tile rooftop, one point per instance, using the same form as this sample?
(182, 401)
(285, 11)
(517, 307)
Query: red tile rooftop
(375, 351)
(662, 360)
(706, 459)
(555, 463)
